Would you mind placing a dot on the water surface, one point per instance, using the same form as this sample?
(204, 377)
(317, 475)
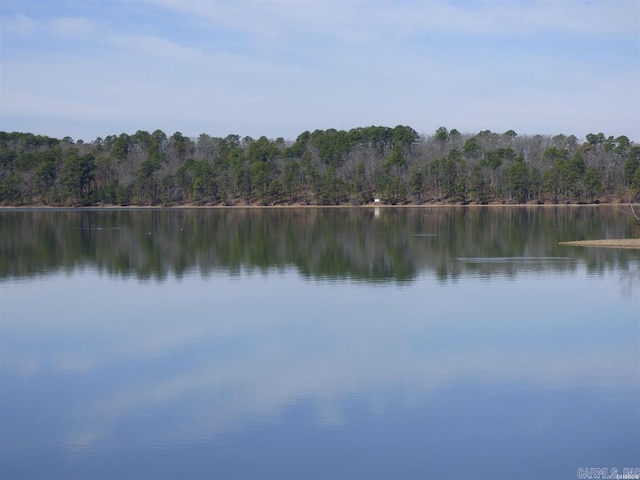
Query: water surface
(317, 343)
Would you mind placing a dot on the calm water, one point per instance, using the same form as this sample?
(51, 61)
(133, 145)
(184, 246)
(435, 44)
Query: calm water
(320, 343)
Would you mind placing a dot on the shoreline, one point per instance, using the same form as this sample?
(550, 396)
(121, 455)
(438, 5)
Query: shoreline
(303, 206)
(630, 243)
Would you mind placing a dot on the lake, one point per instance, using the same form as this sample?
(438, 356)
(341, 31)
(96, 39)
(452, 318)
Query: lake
(317, 343)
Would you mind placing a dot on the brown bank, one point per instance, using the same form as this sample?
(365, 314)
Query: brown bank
(611, 243)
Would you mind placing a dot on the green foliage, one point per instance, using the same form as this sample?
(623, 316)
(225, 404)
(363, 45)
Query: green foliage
(441, 135)
(471, 148)
(635, 186)
(154, 145)
(553, 155)
(243, 182)
(147, 184)
(332, 146)
(180, 144)
(76, 176)
(632, 164)
(292, 182)
(416, 183)
(331, 190)
(120, 147)
(454, 177)
(396, 158)
(496, 158)
(517, 177)
(595, 139)
(396, 190)
(205, 186)
(261, 175)
(10, 193)
(535, 185)
(592, 183)
(478, 185)
(404, 136)
(45, 177)
(262, 150)
(324, 167)
(298, 148)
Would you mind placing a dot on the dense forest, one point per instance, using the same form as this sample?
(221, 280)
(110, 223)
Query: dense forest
(325, 167)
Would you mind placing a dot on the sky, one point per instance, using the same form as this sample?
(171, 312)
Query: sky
(93, 68)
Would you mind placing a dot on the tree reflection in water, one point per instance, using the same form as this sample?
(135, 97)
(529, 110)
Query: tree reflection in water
(340, 243)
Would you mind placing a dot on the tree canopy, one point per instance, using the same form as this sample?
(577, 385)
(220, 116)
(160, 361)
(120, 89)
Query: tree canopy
(323, 167)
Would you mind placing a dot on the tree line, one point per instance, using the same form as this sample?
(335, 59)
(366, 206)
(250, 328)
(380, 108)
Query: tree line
(324, 167)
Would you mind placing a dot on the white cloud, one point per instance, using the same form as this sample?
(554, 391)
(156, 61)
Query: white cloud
(360, 20)
(67, 26)
(18, 24)
(281, 67)
(70, 26)
(157, 46)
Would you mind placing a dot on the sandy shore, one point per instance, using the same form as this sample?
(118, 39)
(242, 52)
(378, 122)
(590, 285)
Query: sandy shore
(611, 243)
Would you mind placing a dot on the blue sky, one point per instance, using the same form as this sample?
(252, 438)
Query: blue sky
(90, 68)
